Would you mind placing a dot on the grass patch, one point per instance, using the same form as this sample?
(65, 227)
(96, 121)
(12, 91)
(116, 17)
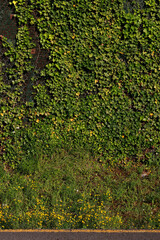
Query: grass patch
(73, 189)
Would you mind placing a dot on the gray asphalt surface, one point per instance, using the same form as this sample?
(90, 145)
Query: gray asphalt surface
(79, 235)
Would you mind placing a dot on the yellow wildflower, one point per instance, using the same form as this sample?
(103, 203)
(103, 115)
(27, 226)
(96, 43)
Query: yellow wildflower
(91, 133)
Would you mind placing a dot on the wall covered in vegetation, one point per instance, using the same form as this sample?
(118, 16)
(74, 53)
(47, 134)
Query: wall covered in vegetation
(99, 89)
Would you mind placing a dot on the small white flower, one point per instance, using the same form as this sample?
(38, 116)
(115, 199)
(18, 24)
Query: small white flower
(4, 204)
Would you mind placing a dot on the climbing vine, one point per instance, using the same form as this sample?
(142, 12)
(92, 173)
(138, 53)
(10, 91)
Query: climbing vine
(99, 91)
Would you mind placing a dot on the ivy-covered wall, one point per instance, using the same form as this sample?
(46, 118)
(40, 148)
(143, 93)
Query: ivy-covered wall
(100, 88)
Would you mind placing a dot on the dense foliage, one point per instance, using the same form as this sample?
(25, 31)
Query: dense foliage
(100, 90)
